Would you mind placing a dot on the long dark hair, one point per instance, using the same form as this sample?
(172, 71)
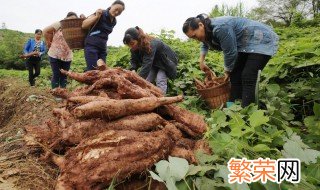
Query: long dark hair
(136, 33)
(193, 23)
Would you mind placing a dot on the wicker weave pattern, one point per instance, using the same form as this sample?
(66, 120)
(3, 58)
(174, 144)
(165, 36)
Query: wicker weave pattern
(73, 33)
(217, 95)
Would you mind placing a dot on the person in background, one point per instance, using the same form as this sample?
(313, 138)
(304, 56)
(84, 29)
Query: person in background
(33, 50)
(101, 24)
(247, 46)
(60, 55)
(157, 60)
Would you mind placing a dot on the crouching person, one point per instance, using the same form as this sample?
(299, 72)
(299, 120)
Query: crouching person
(157, 60)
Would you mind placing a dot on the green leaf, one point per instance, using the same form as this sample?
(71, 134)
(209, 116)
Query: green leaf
(261, 148)
(313, 125)
(273, 89)
(162, 167)
(205, 158)
(205, 183)
(258, 118)
(223, 173)
(316, 110)
(178, 167)
(271, 186)
(193, 170)
(219, 116)
(171, 184)
(155, 176)
(295, 148)
(237, 124)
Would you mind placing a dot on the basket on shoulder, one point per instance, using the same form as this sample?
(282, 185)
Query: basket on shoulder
(73, 33)
(214, 90)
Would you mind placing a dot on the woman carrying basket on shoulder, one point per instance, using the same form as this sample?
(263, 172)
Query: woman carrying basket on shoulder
(60, 55)
(101, 24)
(247, 47)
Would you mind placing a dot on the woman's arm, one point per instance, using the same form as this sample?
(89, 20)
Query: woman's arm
(228, 43)
(147, 60)
(203, 52)
(92, 19)
(26, 50)
(134, 61)
(48, 33)
(26, 47)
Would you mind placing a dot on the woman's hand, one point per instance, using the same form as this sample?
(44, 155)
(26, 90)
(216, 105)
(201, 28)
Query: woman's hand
(204, 67)
(226, 76)
(98, 12)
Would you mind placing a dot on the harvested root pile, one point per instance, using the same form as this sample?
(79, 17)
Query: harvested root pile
(117, 126)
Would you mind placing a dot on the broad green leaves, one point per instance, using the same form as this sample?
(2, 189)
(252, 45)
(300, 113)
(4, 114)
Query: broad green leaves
(313, 122)
(171, 171)
(295, 148)
(258, 118)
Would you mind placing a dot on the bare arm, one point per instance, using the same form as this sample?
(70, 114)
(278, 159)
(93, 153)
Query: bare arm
(48, 33)
(89, 22)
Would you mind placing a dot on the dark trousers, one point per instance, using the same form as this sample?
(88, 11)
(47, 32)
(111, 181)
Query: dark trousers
(92, 54)
(244, 76)
(34, 71)
(59, 79)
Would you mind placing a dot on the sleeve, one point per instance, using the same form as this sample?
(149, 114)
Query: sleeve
(204, 48)
(43, 48)
(134, 61)
(27, 47)
(228, 42)
(147, 61)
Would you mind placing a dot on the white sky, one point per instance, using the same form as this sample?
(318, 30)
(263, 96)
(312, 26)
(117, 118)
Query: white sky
(150, 15)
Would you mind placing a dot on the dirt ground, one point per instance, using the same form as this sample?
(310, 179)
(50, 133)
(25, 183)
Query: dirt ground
(20, 166)
(22, 105)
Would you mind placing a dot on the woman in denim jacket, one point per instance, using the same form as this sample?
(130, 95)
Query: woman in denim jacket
(247, 46)
(157, 60)
(33, 50)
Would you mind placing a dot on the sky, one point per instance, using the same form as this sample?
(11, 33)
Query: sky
(150, 15)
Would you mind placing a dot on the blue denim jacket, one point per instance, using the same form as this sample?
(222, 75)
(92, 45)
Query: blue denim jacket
(234, 34)
(31, 43)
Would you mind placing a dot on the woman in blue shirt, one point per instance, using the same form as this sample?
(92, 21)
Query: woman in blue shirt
(247, 46)
(33, 50)
(102, 23)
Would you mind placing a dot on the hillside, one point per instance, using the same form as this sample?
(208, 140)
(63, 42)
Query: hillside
(11, 46)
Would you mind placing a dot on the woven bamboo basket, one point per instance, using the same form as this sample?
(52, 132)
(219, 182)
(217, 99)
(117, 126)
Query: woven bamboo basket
(218, 95)
(73, 32)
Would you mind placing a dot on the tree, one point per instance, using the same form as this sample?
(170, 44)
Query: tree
(282, 10)
(224, 10)
(315, 7)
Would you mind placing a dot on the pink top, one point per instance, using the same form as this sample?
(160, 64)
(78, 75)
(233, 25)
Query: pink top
(59, 48)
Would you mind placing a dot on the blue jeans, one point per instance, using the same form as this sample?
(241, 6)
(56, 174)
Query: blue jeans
(59, 79)
(160, 77)
(92, 54)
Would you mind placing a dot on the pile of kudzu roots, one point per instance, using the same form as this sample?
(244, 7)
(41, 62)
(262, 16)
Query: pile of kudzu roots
(115, 126)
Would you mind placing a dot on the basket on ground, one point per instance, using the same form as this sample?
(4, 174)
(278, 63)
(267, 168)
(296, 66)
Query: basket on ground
(218, 95)
(73, 32)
